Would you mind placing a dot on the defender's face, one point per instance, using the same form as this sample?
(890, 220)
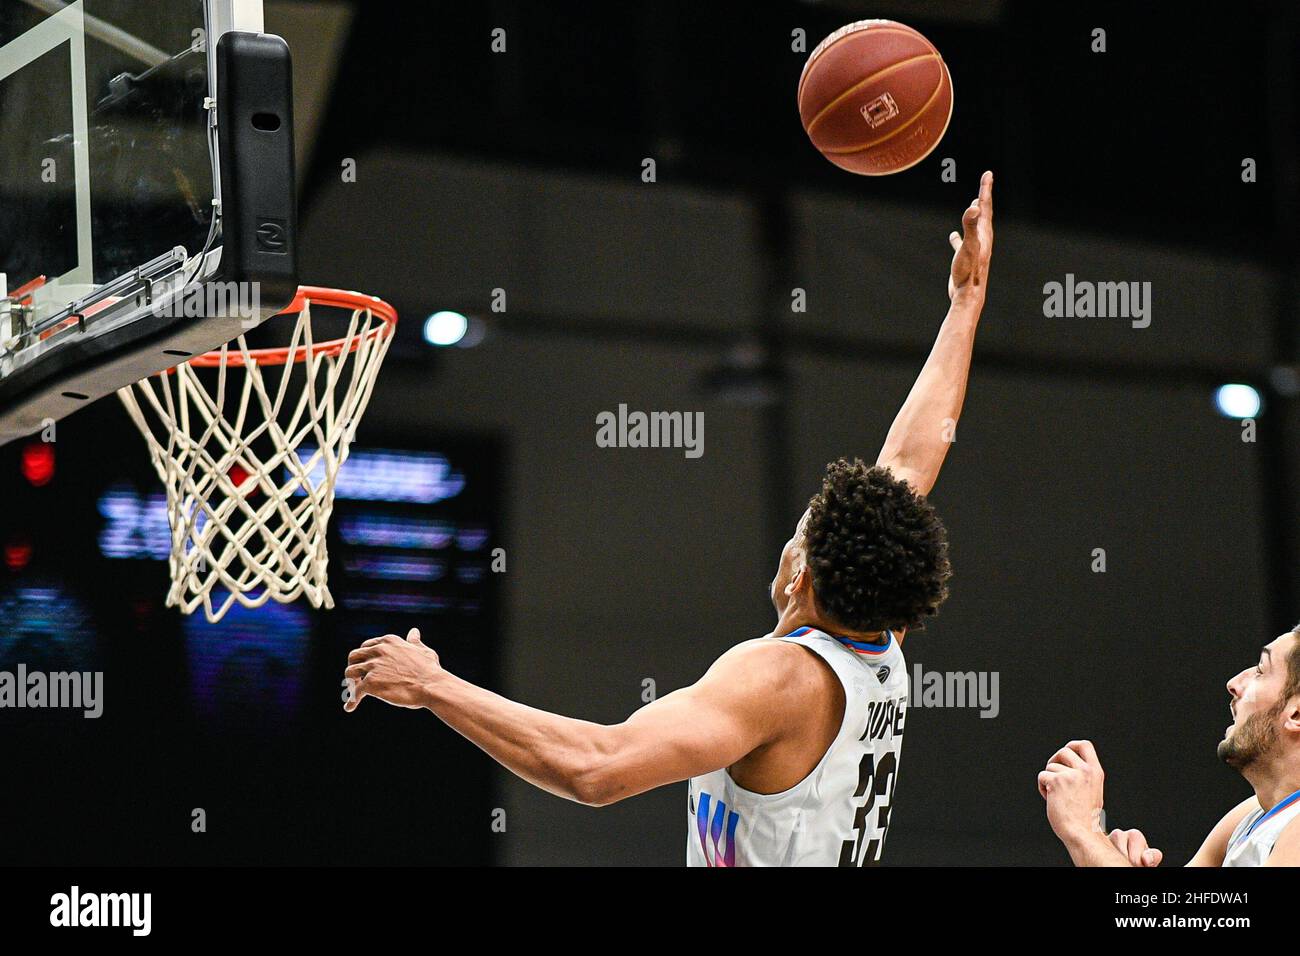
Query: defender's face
(792, 562)
(1256, 694)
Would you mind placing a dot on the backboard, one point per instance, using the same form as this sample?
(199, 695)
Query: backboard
(146, 192)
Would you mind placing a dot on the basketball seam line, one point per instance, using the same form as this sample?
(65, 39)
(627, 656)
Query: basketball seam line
(823, 47)
(861, 83)
(885, 139)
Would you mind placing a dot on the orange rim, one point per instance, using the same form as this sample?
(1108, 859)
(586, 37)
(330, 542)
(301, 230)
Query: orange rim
(316, 295)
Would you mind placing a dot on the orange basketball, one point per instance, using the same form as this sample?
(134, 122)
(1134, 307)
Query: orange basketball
(875, 97)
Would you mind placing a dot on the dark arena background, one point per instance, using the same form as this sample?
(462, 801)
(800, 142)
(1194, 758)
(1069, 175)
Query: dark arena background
(509, 188)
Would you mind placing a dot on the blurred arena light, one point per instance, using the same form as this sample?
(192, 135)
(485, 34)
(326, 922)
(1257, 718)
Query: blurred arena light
(136, 525)
(1238, 401)
(401, 476)
(1285, 380)
(18, 553)
(744, 377)
(38, 463)
(445, 329)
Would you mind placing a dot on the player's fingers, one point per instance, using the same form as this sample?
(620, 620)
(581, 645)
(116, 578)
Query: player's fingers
(364, 653)
(357, 672)
(1068, 757)
(971, 217)
(1057, 767)
(358, 694)
(986, 194)
(970, 229)
(1131, 843)
(954, 240)
(1120, 840)
(413, 635)
(1045, 779)
(379, 640)
(1152, 857)
(1084, 749)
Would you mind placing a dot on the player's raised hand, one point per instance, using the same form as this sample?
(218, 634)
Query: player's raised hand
(396, 671)
(973, 247)
(1073, 784)
(1133, 844)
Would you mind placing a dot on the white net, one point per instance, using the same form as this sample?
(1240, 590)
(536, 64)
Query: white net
(250, 457)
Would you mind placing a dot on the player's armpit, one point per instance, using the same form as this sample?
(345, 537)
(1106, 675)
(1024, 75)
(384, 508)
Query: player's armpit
(1215, 848)
(744, 701)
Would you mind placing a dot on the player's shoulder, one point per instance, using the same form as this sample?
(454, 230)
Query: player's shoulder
(1286, 848)
(772, 661)
(1215, 848)
(1233, 818)
(767, 651)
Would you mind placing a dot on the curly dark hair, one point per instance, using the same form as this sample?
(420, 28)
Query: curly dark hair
(877, 550)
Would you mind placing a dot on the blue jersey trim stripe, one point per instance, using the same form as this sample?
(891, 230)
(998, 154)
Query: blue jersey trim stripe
(1272, 813)
(862, 647)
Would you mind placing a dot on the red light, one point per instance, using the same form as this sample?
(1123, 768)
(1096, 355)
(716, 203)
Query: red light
(238, 475)
(38, 463)
(18, 554)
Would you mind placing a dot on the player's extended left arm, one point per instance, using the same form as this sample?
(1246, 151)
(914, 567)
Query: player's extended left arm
(736, 707)
(925, 426)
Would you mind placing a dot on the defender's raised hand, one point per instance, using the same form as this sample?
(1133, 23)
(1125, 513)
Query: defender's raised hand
(1073, 784)
(973, 247)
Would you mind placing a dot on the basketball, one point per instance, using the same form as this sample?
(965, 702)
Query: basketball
(875, 97)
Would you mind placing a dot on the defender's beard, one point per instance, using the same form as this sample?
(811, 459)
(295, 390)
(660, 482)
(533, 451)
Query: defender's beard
(1251, 741)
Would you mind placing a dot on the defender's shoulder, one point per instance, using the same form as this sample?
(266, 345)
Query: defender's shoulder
(1215, 848)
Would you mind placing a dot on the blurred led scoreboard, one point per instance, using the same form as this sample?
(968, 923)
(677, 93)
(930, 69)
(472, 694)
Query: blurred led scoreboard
(86, 539)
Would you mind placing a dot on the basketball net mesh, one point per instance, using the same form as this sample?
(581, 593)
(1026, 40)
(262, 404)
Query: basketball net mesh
(250, 527)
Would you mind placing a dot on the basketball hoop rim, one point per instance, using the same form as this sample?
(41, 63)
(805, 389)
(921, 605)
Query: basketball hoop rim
(310, 295)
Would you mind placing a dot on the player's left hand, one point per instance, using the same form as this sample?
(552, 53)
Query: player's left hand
(396, 671)
(973, 247)
(1073, 785)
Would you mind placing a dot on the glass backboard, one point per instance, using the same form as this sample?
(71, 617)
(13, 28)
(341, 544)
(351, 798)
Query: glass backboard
(110, 180)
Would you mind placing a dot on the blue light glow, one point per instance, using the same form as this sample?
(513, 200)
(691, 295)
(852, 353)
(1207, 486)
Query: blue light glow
(391, 603)
(249, 665)
(471, 539)
(400, 476)
(381, 531)
(137, 525)
(396, 568)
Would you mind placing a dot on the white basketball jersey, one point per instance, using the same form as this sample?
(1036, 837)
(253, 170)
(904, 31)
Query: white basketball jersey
(1254, 837)
(838, 814)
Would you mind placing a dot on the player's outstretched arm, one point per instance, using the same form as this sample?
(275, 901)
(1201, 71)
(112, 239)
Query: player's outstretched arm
(919, 438)
(740, 704)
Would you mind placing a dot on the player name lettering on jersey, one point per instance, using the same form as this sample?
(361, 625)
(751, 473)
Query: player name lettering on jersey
(885, 719)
